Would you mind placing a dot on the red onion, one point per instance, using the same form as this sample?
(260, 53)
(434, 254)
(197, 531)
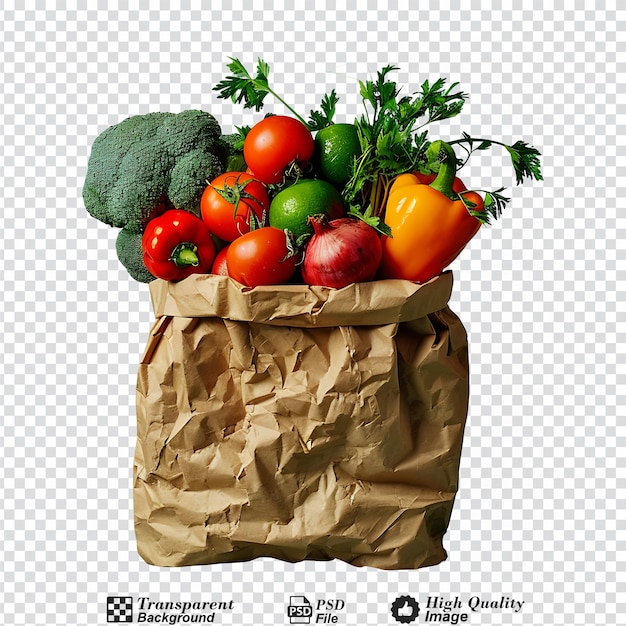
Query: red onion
(341, 252)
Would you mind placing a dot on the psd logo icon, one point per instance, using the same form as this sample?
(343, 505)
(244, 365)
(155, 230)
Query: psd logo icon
(120, 610)
(299, 610)
(405, 609)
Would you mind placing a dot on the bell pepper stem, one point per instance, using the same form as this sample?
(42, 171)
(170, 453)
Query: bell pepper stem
(185, 254)
(447, 169)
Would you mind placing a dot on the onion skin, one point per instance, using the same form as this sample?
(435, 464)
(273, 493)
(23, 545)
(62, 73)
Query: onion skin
(341, 252)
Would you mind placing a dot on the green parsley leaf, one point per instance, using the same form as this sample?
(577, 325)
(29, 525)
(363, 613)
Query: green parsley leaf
(391, 133)
(525, 158)
(241, 86)
(323, 118)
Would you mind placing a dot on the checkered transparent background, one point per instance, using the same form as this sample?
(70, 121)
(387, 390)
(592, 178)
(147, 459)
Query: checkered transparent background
(541, 294)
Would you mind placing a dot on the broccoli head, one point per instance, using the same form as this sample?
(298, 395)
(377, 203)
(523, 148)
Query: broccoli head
(147, 160)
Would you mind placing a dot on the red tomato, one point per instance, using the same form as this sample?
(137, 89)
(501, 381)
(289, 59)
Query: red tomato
(220, 267)
(229, 201)
(273, 144)
(261, 257)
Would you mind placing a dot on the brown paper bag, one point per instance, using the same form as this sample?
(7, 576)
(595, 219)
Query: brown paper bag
(299, 423)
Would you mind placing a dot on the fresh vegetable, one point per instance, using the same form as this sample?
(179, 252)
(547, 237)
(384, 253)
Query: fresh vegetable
(137, 164)
(148, 164)
(341, 252)
(234, 203)
(176, 245)
(265, 256)
(394, 141)
(291, 208)
(383, 169)
(277, 146)
(130, 253)
(525, 158)
(337, 148)
(220, 266)
(430, 224)
(241, 86)
(233, 147)
(393, 136)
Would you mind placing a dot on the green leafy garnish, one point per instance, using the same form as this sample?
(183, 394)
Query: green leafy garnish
(241, 86)
(375, 221)
(323, 118)
(242, 132)
(525, 158)
(494, 204)
(391, 135)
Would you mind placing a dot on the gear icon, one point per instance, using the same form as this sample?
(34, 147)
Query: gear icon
(405, 609)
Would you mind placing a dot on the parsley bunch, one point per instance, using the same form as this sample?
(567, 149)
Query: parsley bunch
(393, 136)
(392, 133)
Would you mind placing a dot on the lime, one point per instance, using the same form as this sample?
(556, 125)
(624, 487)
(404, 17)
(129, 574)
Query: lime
(291, 208)
(336, 147)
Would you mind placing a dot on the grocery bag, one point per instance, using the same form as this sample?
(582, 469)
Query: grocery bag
(299, 423)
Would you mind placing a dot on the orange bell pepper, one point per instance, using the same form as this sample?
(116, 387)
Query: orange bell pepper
(430, 223)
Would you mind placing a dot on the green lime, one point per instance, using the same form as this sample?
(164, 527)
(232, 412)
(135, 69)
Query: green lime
(291, 208)
(336, 147)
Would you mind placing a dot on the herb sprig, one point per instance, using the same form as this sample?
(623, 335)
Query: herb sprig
(241, 86)
(525, 158)
(323, 118)
(494, 204)
(392, 133)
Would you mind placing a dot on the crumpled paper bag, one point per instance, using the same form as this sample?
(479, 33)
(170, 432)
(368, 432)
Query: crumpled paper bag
(299, 423)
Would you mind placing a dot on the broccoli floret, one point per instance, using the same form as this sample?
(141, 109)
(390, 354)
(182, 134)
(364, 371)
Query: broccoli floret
(134, 165)
(233, 149)
(189, 178)
(130, 254)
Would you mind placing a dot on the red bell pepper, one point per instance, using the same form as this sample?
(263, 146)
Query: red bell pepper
(176, 245)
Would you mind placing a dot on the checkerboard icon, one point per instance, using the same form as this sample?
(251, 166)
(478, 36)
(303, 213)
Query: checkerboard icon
(119, 610)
